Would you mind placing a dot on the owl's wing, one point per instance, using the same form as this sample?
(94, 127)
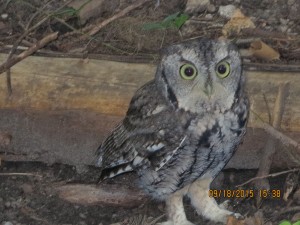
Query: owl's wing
(142, 138)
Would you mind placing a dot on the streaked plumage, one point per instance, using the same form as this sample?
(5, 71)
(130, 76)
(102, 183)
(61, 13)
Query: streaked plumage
(182, 128)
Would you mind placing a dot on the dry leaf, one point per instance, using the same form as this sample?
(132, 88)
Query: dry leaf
(296, 196)
(238, 22)
(261, 50)
(296, 217)
(257, 219)
(5, 139)
(290, 184)
(234, 221)
(92, 8)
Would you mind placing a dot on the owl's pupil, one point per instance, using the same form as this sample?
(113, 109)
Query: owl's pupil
(189, 71)
(222, 69)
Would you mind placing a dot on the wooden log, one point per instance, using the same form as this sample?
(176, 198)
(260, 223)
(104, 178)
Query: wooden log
(42, 83)
(62, 108)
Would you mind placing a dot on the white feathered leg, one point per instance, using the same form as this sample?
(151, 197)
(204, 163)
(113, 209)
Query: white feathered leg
(205, 205)
(175, 208)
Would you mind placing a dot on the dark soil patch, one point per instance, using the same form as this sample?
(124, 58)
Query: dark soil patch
(34, 199)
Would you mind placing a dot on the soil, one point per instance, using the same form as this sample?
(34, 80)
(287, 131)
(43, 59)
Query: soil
(31, 197)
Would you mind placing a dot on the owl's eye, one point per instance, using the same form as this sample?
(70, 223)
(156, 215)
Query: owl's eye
(223, 69)
(188, 71)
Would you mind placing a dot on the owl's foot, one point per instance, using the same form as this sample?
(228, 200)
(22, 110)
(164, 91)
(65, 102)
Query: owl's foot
(207, 206)
(169, 222)
(225, 205)
(175, 207)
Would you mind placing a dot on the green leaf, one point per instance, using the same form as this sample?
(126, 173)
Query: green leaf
(175, 20)
(153, 26)
(296, 223)
(171, 18)
(68, 12)
(179, 21)
(285, 222)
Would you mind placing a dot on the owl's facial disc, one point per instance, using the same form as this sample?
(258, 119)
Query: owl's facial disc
(201, 75)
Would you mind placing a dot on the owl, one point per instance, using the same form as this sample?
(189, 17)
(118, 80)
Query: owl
(182, 128)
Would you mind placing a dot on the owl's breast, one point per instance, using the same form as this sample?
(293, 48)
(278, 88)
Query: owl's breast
(209, 144)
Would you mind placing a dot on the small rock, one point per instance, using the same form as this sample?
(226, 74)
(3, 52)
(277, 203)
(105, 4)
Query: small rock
(4, 16)
(82, 216)
(81, 169)
(7, 204)
(196, 6)
(227, 11)
(211, 8)
(264, 14)
(27, 188)
(209, 16)
(291, 2)
(7, 223)
(284, 21)
(283, 28)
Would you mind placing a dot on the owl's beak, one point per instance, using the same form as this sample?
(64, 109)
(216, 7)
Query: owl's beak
(208, 89)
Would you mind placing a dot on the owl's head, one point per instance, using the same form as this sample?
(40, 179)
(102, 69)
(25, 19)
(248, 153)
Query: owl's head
(201, 75)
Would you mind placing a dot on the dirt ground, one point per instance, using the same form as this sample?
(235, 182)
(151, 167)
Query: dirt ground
(28, 190)
(32, 198)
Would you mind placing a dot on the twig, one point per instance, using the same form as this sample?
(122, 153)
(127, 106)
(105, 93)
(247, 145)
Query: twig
(32, 214)
(287, 209)
(271, 144)
(21, 174)
(290, 209)
(123, 12)
(8, 82)
(256, 32)
(285, 140)
(40, 44)
(268, 108)
(280, 136)
(16, 44)
(266, 176)
(41, 9)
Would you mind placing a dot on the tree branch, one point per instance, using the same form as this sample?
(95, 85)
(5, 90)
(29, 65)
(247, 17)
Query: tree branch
(15, 59)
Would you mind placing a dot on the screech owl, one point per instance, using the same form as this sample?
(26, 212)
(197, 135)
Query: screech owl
(182, 128)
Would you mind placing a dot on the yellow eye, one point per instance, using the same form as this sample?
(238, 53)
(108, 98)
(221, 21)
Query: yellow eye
(223, 69)
(188, 71)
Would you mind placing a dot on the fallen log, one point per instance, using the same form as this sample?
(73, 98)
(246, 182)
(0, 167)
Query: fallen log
(113, 195)
(62, 108)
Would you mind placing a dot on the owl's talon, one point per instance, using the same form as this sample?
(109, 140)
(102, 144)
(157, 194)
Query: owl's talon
(238, 216)
(225, 204)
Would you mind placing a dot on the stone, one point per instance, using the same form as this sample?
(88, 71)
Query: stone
(227, 11)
